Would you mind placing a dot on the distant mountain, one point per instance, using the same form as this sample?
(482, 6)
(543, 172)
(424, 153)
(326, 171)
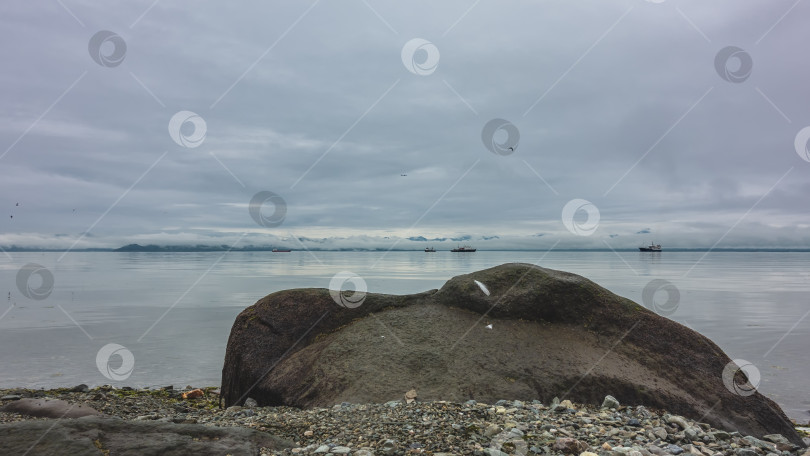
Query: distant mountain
(466, 237)
(188, 248)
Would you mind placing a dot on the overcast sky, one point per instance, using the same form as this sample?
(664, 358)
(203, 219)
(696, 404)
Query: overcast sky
(366, 121)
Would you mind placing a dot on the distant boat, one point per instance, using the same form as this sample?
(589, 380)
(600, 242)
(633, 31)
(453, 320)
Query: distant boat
(651, 248)
(429, 249)
(465, 248)
(281, 250)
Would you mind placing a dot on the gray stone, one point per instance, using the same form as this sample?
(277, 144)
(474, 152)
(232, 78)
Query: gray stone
(745, 452)
(767, 446)
(389, 447)
(250, 403)
(673, 449)
(492, 429)
(642, 412)
(365, 452)
(678, 420)
(692, 433)
(656, 450)
(569, 445)
(341, 450)
(776, 438)
(78, 437)
(322, 449)
(720, 435)
(660, 433)
(11, 397)
(515, 433)
(392, 404)
(610, 402)
(80, 388)
(495, 452)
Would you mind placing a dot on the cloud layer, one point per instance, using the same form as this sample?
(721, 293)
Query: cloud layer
(366, 119)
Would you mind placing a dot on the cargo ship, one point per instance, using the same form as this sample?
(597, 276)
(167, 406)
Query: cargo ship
(651, 248)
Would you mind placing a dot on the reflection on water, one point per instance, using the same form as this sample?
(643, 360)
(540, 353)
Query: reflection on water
(745, 302)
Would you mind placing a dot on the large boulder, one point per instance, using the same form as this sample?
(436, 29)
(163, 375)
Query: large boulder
(527, 333)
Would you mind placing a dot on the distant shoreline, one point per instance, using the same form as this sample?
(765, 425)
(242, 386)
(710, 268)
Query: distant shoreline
(136, 248)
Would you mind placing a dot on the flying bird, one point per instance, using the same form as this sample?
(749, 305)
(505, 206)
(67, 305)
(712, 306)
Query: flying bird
(18, 204)
(511, 148)
(489, 326)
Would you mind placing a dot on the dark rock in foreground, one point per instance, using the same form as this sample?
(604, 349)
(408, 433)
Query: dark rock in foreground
(94, 435)
(48, 408)
(553, 334)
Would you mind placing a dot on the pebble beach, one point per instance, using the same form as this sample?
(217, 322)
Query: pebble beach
(435, 427)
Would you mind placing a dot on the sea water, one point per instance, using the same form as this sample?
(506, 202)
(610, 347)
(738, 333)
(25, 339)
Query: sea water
(168, 315)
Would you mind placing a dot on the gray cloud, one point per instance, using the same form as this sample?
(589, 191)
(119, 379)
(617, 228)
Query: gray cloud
(618, 104)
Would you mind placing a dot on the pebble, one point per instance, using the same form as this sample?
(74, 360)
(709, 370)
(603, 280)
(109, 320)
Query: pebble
(745, 452)
(491, 430)
(80, 388)
(776, 438)
(610, 402)
(678, 420)
(569, 445)
(660, 433)
(438, 427)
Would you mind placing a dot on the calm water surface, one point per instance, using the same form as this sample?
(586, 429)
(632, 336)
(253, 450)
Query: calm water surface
(173, 312)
